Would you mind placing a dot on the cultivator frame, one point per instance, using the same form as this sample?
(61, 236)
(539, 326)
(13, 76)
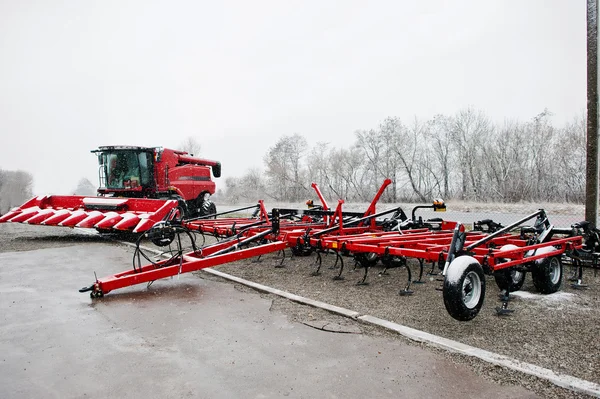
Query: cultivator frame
(463, 258)
(271, 227)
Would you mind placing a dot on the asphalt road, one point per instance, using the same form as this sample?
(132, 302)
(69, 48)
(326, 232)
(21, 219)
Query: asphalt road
(192, 337)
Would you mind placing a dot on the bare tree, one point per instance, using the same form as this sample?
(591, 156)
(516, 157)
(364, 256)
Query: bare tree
(190, 145)
(469, 130)
(405, 142)
(373, 146)
(542, 136)
(16, 188)
(85, 187)
(570, 152)
(285, 172)
(248, 188)
(439, 135)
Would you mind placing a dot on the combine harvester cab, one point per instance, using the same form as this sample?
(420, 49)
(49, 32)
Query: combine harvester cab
(139, 186)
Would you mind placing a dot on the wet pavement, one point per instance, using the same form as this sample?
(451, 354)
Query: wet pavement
(191, 337)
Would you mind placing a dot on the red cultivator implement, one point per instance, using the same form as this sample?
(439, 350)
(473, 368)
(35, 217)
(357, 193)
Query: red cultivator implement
(462, 258)
(266, 229)
(465, 257)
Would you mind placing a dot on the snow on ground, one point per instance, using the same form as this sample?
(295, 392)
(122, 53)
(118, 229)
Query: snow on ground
(557, 297)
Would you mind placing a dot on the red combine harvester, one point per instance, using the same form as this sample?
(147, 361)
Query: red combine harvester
(139, 186)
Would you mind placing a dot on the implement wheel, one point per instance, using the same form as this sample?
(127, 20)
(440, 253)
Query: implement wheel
(547, 274)
(464, 288)
(510, 278)
(366, 259)
(301, 250)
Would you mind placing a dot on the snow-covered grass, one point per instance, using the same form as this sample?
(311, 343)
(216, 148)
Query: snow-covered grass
(557, 297)
(454, 205)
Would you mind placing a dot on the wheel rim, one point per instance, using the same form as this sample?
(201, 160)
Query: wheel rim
(471, 290)
(516, 276)
(371, 257)
(554, 270)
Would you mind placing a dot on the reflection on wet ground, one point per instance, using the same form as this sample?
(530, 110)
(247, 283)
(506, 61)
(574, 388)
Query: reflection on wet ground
(140, 293)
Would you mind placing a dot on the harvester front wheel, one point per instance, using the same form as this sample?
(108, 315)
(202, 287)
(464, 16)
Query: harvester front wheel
(208, 208)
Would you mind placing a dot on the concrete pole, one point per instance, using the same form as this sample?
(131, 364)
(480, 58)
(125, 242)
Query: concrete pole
(591, 186)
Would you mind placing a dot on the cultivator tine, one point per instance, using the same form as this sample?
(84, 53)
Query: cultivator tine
(407, 291)
(504, 310)
(421, 267)
(364, 279)
(577, 279)
(280, 265)
(339, 276)
(337, 258)
(319, 261)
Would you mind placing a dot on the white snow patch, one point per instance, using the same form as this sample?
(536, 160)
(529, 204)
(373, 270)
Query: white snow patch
(457, 268)
(554, 298)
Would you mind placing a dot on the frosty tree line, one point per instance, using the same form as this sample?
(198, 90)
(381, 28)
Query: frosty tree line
(464, 156)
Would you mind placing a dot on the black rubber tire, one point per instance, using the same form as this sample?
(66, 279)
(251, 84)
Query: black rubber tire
(547, 274)
(464, 288)
(392, 262)
(164, 240)
(510, 278)
(208, 208)
(366, 259)
(301, 250)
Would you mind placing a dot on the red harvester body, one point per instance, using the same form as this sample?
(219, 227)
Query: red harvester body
(139, 186)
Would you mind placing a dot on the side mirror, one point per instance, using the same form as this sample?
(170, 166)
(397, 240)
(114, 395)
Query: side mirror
(216, 169)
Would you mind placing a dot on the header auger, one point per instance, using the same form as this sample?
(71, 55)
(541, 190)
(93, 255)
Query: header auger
(139, 186)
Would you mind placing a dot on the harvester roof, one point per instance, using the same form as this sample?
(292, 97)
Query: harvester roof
(123, 147)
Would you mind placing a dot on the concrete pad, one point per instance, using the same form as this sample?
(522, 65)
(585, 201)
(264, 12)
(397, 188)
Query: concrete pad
(189, 337)
(333, 327)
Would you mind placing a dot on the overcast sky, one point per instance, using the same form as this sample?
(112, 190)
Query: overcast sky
(237, 75)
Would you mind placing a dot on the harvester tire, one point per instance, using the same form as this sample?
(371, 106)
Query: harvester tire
(547, 274)
(208, 208)
(464, 288)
